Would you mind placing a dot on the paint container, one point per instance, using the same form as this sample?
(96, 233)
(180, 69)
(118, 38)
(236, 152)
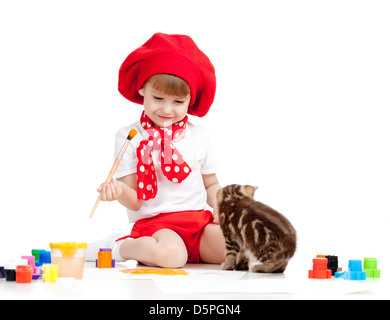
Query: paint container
(104, 258)
(2, 271)
(23, 274)
(69, 256)
(44, 257)
(50, 272)
(10, 271)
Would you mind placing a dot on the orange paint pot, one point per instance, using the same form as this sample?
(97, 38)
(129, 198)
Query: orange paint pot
(104, 259)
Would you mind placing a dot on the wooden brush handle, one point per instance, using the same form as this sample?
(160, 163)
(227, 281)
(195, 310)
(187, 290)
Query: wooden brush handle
(114, 167)
(95, 206)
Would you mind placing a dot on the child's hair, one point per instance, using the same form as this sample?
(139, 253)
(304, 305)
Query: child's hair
(170, 85)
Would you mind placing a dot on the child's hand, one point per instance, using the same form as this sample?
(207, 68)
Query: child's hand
(111, 191)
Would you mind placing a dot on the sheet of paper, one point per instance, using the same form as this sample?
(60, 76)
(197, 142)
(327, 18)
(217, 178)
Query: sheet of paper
(307, 287)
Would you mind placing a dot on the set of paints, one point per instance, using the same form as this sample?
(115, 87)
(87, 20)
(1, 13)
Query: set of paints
(27, 268)
(326, 266)
(66, 259)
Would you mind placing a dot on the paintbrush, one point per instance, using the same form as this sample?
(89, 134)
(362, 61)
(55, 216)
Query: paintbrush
(118, 159)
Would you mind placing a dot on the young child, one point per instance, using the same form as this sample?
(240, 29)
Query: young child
(167, 174)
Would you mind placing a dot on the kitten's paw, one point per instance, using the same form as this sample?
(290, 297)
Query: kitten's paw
(243, 265)
(228, 265)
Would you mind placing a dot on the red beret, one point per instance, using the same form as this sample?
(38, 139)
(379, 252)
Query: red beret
(171, 54)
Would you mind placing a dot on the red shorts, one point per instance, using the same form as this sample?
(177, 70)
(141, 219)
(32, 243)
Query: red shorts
(189, 225)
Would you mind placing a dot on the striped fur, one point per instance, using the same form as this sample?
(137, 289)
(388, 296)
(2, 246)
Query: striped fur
(257, 237)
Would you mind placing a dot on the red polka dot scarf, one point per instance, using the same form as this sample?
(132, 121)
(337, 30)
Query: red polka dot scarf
(173, 166)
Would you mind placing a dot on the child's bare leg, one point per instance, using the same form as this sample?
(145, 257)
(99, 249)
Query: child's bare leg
(165, 248)
(212, 245)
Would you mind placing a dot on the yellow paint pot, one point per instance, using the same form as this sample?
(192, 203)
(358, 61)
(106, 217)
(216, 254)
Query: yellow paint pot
(50, 272)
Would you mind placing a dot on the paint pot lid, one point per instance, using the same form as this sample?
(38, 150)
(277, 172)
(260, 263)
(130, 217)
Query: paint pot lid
(320, 261)
(21, 268)
(355, 265)
(68, 245)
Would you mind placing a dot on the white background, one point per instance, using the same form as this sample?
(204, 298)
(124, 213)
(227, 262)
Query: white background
(301, 111)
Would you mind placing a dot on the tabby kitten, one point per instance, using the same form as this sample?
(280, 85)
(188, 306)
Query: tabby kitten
(257, 237)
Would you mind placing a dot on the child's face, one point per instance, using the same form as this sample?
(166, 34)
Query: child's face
(162, 109)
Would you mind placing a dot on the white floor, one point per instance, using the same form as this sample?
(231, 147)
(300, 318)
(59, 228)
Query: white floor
(203, 282)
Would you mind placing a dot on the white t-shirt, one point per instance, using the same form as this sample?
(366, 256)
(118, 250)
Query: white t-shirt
(190, 194)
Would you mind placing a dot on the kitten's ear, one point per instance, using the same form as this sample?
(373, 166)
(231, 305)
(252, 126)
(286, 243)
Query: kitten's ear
(254, 190)
(249, 191)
